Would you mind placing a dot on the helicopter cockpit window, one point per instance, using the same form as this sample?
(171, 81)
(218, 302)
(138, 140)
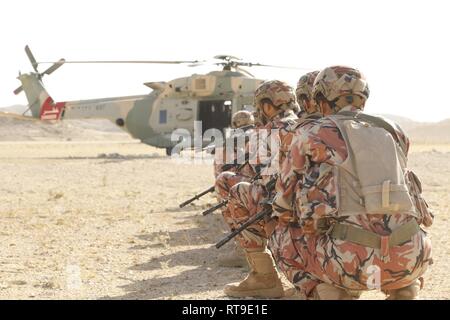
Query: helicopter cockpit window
(162, 116)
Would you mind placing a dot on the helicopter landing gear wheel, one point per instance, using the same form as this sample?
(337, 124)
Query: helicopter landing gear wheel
(170, 152)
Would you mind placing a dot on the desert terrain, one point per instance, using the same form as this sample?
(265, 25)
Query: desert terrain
(93, 215)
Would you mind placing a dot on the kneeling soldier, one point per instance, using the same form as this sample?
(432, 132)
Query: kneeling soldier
(358, 209)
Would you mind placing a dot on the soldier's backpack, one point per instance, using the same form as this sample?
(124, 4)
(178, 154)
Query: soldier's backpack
(374, 178)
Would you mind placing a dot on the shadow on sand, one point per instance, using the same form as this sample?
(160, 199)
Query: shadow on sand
(200, 272)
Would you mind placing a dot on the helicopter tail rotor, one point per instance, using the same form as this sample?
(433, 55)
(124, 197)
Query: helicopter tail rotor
(18, 90)
(31, 58)
(35, 64)
(54, 67)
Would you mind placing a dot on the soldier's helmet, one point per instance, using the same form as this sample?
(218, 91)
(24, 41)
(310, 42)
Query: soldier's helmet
(304, 89)
(341, 83)
(279, 93)
(242, 118)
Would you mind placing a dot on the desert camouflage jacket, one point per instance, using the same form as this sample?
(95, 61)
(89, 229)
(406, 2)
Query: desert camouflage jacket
(298, 193)
(269, 145)
(226, 155)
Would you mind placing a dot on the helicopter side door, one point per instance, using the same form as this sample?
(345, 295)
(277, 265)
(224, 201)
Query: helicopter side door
(214, 114)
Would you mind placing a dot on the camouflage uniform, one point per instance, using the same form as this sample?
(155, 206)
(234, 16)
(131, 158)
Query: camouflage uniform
(226, 179)
(221, 157)
(306, 198)
(224, 155)
(246, 199)
(224, 182)
(269, 144)
(280, 241)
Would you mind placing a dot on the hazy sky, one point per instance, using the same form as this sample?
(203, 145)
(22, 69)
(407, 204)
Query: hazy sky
(401, 46)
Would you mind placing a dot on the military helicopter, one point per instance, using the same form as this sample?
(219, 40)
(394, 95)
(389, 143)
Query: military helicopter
(210, 98)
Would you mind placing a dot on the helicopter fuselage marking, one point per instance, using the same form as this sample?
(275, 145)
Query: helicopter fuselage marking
(51, 110)
(97, 107)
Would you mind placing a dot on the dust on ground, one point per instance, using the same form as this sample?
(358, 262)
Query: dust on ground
(100, 220)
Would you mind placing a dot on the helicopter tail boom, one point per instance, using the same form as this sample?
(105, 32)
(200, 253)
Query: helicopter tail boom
(40, 102)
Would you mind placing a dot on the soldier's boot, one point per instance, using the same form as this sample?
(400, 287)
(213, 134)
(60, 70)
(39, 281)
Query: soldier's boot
(262, 281)
(233, 259)
(325, 291)
(407, 293)
(355, 294)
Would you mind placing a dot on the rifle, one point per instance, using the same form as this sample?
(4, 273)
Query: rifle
(259, 216)
(197, 196)
(217, 206)
(225, 202)
(211, 189)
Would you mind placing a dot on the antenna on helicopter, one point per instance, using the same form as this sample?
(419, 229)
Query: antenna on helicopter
(35, 64)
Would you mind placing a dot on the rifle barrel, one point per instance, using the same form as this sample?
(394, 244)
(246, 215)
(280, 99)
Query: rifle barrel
(252, 220)
(217, 206)
(197, 196)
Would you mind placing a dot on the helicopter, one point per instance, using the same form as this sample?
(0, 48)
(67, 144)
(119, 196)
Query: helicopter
(210, 98)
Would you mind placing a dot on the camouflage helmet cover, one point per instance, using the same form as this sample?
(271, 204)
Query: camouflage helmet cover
(336, 81)
(304, 87)
(278, 92)
(242, 118)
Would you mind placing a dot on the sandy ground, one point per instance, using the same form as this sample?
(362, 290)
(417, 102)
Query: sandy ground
(100, 220)
(14, 127)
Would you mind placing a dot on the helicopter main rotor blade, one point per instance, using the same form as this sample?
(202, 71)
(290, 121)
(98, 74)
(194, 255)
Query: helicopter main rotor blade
(197, 64)
(250, 64)
(31, 58)
(124, 61)
(54, 67)
(245, 71)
